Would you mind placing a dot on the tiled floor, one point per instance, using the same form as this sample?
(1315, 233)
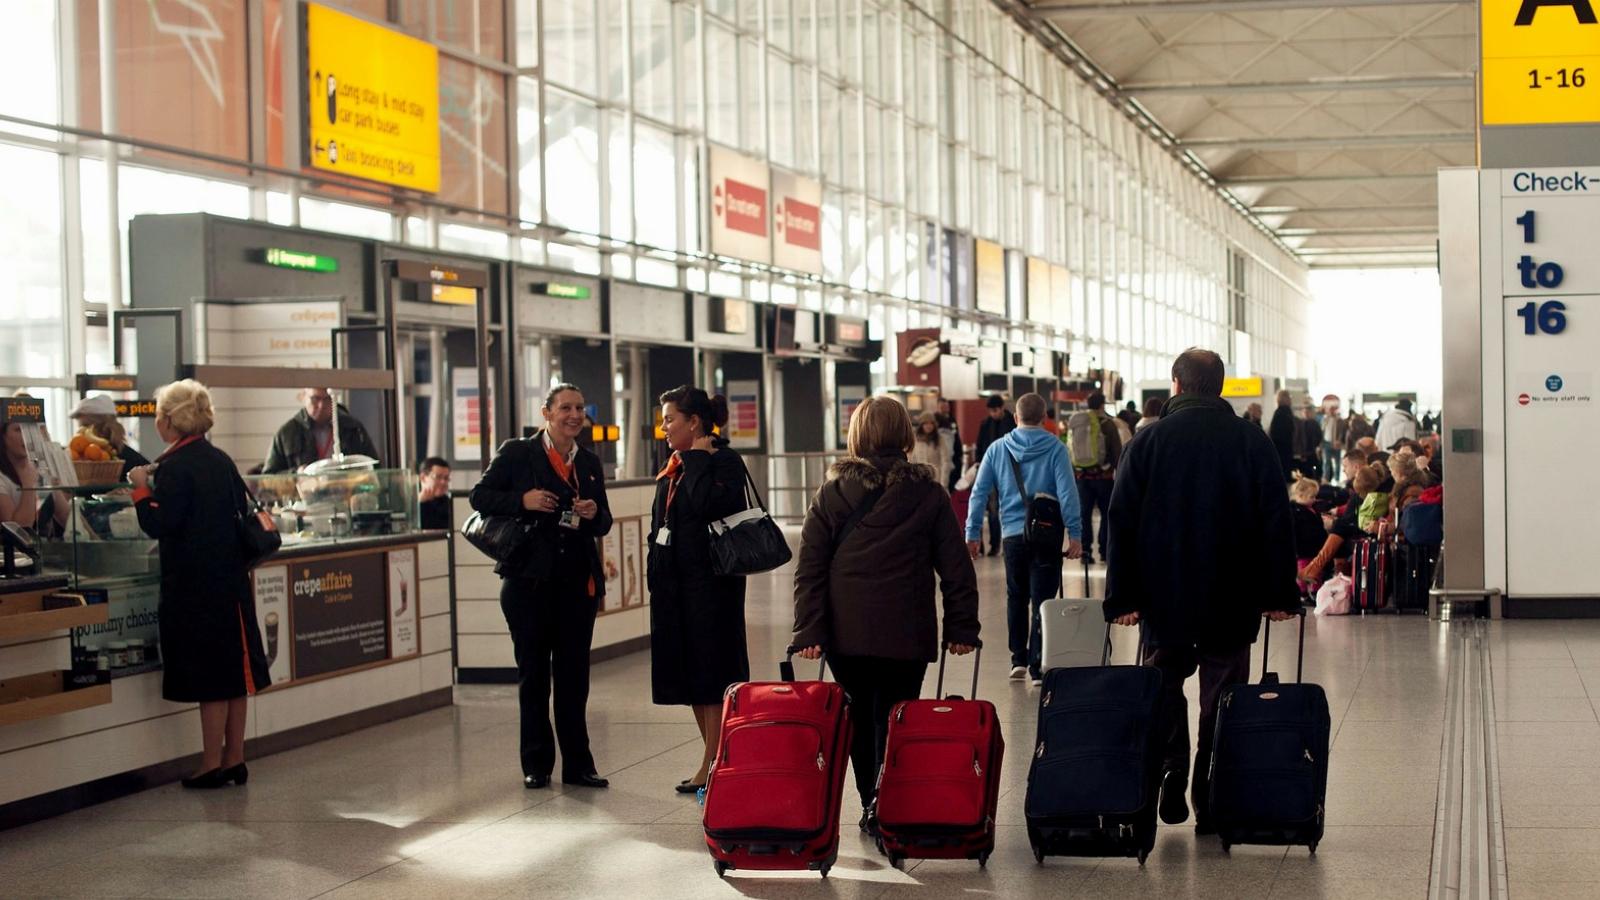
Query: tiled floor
(1546, 684)
(432, 806)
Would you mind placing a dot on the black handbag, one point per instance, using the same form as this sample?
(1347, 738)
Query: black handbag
(258, 534)
(748, 543)
(500, 538)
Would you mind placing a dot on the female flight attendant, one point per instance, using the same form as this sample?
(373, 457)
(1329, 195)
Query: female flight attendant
(551, 592)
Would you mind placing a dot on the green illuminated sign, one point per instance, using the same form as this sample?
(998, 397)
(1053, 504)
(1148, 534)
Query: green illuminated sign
(565, 291)
(292, 259)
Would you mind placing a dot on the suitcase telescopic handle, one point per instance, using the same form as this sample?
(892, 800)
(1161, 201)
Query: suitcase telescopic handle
(1105, 655)
(977, 657)
(1300, 653)
(786, 668)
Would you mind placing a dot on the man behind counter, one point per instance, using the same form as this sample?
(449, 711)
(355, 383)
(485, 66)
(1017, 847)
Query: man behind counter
(434, 499)
(308, 436)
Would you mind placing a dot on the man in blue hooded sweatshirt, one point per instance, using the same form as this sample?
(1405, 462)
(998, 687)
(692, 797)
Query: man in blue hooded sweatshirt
(1030, 580)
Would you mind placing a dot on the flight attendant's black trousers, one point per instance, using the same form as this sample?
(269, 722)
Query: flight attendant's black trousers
(552, 625)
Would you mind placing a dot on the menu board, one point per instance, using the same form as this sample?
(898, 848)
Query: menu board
(340, 615)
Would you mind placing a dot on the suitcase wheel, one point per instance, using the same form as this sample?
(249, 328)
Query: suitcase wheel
(825, 868)
(1142, 855)
(897, 862)
(1038, 855)
(983, 861)
(722, 869)
(1226, 846)
(1313, 849)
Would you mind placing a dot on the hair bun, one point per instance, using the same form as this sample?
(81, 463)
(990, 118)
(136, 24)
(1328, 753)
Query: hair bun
(719, 411)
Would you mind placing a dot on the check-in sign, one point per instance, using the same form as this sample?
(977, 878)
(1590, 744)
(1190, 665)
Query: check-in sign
(372, 101)
(1541, 62)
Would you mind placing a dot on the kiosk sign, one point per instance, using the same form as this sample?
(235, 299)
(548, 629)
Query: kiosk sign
(1540, 59)
(372, 101)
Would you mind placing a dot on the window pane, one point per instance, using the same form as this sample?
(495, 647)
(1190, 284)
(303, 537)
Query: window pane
(573, 151)
(656, 203)
(619, 161)
(472, 136)
(653, 59)
(28, 86)
(780, 76)
(755, 130)
(528, 149)
(722, 85)
(33, 341)
(569, 44)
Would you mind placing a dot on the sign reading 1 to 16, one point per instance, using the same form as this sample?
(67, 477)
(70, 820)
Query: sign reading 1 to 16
(1549, 317)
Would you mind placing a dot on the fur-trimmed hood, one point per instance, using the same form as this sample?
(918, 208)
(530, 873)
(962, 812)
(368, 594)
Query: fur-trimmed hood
(884, 471)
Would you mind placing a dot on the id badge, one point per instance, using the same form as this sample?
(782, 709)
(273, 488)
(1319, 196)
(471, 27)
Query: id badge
(570, 520)
(664, 537)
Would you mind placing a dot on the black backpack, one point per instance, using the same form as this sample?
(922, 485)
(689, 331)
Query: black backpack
(1044, 529)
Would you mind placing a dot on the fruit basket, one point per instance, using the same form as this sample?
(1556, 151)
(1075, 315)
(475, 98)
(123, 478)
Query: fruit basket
(92, 471)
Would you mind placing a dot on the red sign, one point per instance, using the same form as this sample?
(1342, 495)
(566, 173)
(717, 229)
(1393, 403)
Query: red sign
(800, 223)
(742, 206)
(1523, 399)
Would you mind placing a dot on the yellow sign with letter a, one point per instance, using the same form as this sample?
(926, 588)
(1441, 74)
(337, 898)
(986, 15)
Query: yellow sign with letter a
(372, 104)
(1541, 62)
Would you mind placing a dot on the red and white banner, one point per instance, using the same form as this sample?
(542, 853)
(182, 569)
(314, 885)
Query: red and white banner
(740, 208)
(796, 222)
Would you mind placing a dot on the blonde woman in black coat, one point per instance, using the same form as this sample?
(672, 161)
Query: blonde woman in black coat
(190, 501)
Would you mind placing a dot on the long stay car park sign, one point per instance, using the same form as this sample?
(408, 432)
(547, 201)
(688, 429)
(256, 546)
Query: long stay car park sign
(1541, 62)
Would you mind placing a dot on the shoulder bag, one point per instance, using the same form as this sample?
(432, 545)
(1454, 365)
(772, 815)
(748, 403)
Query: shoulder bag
(257, 532)
(501, 538)
(748, 543)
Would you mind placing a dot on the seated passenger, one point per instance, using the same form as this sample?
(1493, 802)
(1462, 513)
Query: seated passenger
(434, 496)
(1309, 535)
(1345, 530)
(864, 589)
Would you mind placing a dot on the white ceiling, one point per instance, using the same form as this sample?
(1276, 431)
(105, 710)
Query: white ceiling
(1327, 118)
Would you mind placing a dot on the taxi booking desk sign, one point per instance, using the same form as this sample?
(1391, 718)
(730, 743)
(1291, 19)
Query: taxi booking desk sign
(1541, 62)
(372, 101)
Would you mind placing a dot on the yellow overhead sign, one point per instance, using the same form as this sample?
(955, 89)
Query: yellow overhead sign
(1540, 62)
(1241, 387)
(372, 106)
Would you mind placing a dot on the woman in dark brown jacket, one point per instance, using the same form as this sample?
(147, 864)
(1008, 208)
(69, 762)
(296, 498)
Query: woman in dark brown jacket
(865, 586)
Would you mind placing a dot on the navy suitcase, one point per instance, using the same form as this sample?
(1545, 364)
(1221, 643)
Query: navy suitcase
(1269, 768)
(1096, 766)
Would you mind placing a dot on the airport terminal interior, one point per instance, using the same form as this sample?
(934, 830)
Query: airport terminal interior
(378, 376)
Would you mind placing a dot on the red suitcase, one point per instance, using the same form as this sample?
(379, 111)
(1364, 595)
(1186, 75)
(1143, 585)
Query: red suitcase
(775, 788)
(1371, 562)
(940, 781)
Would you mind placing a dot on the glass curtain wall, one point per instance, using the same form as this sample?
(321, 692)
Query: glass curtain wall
(573, 134)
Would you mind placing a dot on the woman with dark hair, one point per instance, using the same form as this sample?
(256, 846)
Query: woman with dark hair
(1152, 413)
(551, 591)
(697, 638)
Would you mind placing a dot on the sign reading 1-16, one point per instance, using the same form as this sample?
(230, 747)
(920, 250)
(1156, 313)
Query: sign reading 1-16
(1549, 317)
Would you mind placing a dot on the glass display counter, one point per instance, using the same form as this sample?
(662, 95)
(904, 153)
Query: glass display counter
(342, 515)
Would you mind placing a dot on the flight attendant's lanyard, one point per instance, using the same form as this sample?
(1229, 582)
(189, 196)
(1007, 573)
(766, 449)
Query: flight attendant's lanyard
(672, 472)
(569, 474)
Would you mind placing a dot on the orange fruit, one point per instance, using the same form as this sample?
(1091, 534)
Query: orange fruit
(78, 445)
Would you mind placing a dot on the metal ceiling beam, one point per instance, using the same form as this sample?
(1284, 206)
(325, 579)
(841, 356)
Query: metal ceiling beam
(1309, 85)
(1418, 250)
(1290, 180)
(1338, 140)
(1357, 231)
(1339, 210)
(1059, 9)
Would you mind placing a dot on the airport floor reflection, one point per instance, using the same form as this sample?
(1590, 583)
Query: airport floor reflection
(432, 806)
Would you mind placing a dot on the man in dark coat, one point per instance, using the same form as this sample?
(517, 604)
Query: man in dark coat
(999, 424)
(1200, 549)
(308, 436)
(1282, 431)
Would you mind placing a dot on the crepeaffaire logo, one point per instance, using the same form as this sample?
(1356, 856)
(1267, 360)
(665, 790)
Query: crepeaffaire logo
(326, 583)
